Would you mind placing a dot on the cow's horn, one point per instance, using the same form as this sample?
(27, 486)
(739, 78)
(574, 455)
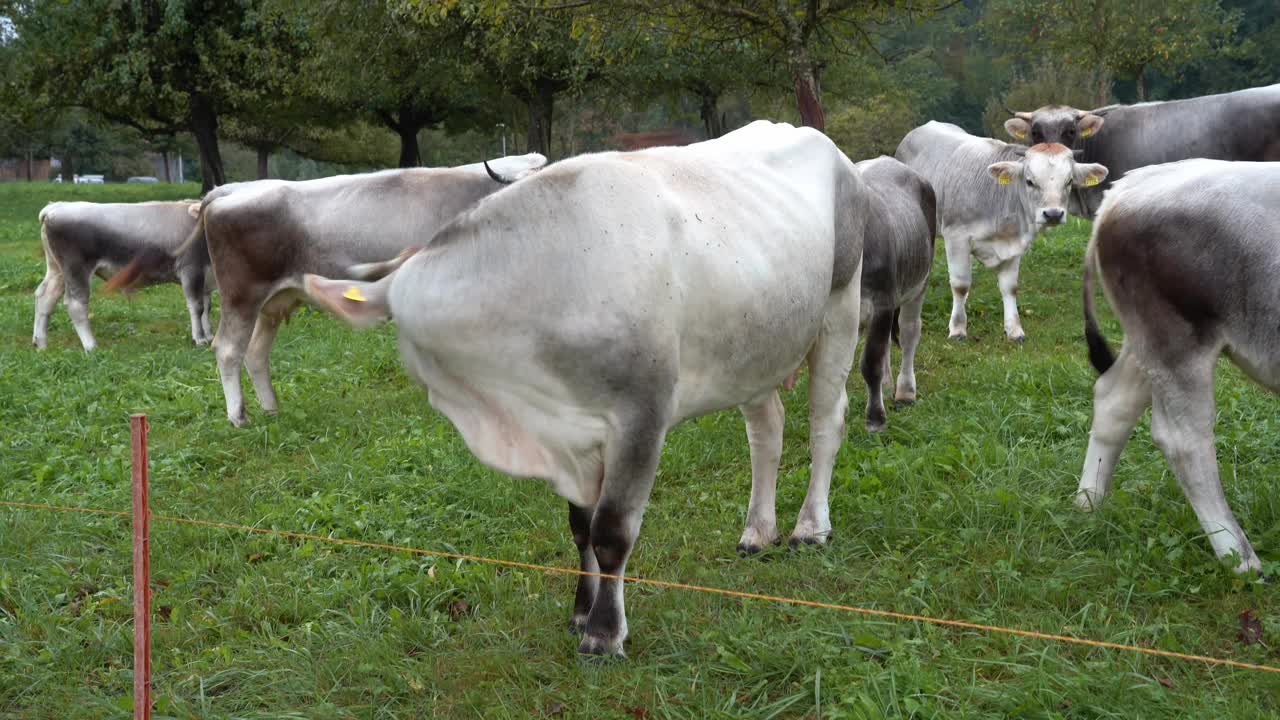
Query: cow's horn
(495, 176)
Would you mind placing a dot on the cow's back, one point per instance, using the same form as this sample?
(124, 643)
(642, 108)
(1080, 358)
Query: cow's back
(1197, 244)
(114, 233)
(901, 223)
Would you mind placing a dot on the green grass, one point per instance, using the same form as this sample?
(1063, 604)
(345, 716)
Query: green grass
(961, 510)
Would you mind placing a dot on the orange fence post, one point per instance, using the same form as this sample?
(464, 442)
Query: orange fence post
(141, 572)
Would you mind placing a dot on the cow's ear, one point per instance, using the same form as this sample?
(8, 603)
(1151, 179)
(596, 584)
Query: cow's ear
(362, 304)
(1017, 128)
(1089, 174)
(1005, 172)
(1089, 124)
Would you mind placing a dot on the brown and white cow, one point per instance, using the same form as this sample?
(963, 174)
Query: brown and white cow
(1188, 254)
(263, 236)
(566, 324)
(84, 238)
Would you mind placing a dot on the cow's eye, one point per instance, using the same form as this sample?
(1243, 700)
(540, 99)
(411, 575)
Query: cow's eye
(1030, 183)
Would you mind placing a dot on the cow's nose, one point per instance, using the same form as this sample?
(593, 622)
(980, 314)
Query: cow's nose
(1054, 215)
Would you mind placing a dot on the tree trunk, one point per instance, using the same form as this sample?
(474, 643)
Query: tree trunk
(1142, 84)
(712, 120)
(29, 161)
(204, 125)
(1104, 88)
(410, 156)
(164, 156)
(264, 155)
(68, 170)
(541, 105)
(805, 82)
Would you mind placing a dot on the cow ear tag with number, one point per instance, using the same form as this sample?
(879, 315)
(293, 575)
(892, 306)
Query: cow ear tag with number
(1091, 180)
(1004, 179)
(353, 293)
(1086, 132)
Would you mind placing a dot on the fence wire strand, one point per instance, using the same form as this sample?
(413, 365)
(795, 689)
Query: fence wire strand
(872, 612)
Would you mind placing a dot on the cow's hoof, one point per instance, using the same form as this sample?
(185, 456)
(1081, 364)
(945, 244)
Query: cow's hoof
(958, 338)
(238, 421)
(877, 427)
(1088, 501)
(202, 342)
(754, 540)
(598, 649)
(1019, 338)
(578, 624)
(271, 412)
(904, 402)
(809, 539)
(38, 345)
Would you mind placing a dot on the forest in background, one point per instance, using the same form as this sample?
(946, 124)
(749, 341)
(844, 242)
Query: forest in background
(305, 88)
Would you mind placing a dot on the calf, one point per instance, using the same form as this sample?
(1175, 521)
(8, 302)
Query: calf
(1188, 254)
(996, 224)
(83, 238)
(895, 271)
(263, 236)
(566, 324)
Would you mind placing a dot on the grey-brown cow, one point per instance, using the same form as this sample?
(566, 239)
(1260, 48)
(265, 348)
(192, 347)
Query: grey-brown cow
(1188, 254)
(896, 259)
(83, 238)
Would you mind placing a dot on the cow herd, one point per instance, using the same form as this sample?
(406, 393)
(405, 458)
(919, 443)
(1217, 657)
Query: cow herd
(565, 317)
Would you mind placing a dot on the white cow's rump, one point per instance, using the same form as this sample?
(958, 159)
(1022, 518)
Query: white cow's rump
(565, 324)
(1188, 253)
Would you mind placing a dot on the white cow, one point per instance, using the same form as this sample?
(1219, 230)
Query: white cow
(566, 323)
(995, 222)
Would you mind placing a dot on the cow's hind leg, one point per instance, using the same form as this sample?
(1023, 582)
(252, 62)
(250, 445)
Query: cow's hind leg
(631, 461)
(47, 295)
(1182, 427)
(235, 328)
(765, 419)
(76, 297)
(1007, 279)
(205, 324)
(585, 596)
(875, 362)
(258, 356)
(194, 293)
(909, 337)
(1120, 396)
(830, 361)
(960, 270)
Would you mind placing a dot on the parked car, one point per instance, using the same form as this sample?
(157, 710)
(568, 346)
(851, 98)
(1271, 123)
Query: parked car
(90, 179)
(143, 179)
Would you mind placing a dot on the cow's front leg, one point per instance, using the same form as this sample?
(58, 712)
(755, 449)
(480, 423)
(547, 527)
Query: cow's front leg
(76, 298)
(1182, 427)
(765, 420)
(631, 462)
(960, 272)
(830, 361)
(1007, 278)
(585, 596)
(1120, 396)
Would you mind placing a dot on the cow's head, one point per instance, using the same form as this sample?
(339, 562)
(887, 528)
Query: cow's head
(1044, 178)
(1052, 124)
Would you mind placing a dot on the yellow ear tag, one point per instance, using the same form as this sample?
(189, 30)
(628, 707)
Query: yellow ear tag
(1020, 135)
(353, 293)
(1091, 180)
(1004, 179)
(1086, 132)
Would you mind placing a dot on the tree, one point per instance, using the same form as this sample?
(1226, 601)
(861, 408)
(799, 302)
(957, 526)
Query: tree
(157, 67)
(405, 70)
(1119, 40)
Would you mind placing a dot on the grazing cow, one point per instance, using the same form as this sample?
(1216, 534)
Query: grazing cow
(996, 224)
(895, 270)
(84, 238)
(1188, 254)
(1241, 125)
(566, 324)
(262, 236)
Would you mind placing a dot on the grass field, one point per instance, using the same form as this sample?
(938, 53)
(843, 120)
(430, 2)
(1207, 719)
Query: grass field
(961, 510)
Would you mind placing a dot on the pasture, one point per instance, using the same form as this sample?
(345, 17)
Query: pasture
(961, 510)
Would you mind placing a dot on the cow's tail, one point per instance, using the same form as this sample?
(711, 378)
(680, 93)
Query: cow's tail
(377, 270)
(152, 260)
(52, 268)
(1100, 355)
